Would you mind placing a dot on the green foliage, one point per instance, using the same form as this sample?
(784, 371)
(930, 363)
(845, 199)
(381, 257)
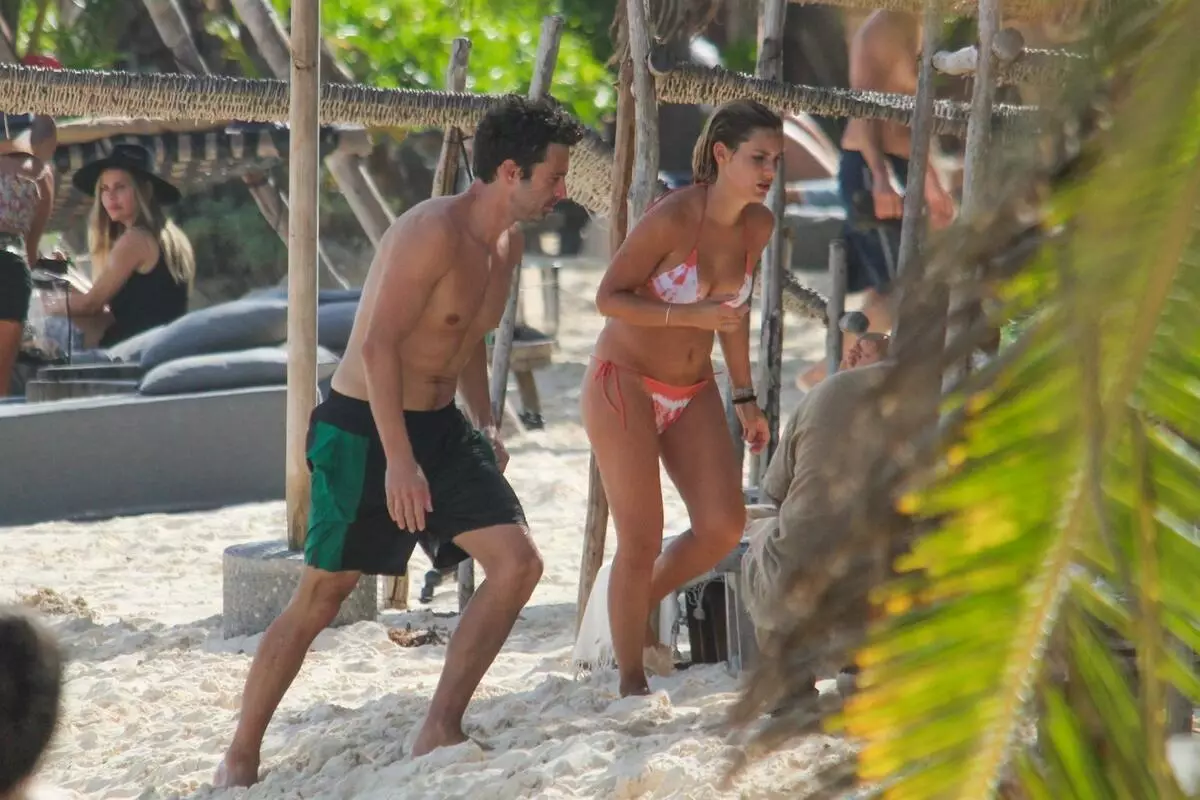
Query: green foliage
(229, 234)
(1066, 506)
(741, 56)
(406, 44)
(94, 45)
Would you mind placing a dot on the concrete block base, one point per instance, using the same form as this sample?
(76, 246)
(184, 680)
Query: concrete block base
(258, 581)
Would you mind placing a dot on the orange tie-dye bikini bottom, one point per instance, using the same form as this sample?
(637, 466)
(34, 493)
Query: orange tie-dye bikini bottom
(668, 400)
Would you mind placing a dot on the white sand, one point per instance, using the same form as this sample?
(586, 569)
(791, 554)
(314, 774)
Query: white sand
(153, 690)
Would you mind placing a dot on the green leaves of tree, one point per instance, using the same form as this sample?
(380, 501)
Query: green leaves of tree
(1067, 507)
(406, 44)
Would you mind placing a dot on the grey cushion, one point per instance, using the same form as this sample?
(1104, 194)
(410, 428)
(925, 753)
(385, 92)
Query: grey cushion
(239, 325)
(131, 350)
(260, 366)
(323, 296)
(334, 323)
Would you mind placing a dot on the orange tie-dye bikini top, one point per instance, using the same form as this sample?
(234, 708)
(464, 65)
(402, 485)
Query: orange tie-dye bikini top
(681, 283)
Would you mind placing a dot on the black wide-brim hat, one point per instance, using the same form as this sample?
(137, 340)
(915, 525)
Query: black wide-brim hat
(134, 159)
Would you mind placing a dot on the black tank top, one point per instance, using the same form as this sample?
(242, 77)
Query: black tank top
(145, 301)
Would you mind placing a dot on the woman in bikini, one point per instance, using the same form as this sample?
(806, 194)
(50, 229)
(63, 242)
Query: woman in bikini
(684, 273)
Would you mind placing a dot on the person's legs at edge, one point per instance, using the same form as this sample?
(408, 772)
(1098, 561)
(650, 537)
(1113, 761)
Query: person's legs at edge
(16, 289)
(276, 663)
(10, 345)
(699, 457)
(626, 447)
(513, 567)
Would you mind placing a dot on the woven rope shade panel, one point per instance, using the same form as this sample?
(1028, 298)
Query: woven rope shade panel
(1024, 10)
(191, 160)
(687, 83)
(95, 93)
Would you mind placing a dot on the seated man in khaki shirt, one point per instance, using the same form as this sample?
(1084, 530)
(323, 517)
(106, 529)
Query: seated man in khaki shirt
(801, 483)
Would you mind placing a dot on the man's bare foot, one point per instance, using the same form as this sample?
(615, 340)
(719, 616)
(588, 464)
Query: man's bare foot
(433, 736)
(234, 770)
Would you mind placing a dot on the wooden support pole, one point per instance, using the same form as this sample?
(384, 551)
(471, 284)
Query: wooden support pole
(770, 348)
(445, 176)
(543, 74)
(273, 205)
(595, 529)
(735, 426)
(836, 306)
(547, 55)
(645, 103)
(912, 225)
(921, 316)
(395, 589)
(964, 310)
(268, 33)
(176, 34)
(551, 300)
(365, 200)
(303, 168)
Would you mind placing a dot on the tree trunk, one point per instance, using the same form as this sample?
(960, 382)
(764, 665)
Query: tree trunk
(356, 185)
(176, 33)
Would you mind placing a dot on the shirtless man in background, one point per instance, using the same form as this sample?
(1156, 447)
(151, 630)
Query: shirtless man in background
(884, 57)
(394, 462)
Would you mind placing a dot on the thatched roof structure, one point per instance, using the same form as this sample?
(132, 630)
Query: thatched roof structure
(191, 155)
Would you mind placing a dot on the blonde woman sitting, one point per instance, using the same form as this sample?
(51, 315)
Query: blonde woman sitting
(142, 263)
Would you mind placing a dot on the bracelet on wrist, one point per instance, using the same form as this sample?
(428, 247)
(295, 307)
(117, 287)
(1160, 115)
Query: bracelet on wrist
(739, 399)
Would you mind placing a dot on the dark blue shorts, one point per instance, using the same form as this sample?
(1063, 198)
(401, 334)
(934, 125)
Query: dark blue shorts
(871, 253)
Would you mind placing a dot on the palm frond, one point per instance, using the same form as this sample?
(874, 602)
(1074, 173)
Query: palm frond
(1064, 499)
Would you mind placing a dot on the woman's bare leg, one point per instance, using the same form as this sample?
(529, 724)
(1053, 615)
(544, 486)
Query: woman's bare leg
(10, 344)
(698, 454)
(627, 457)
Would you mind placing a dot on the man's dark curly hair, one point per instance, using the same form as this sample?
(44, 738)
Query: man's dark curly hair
(520, 129)
(30, 685)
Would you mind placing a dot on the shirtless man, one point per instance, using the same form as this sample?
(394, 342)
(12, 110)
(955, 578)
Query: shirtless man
(394, 462)
(884, 57)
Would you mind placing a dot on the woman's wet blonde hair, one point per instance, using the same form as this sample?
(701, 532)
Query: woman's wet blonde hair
(731, 125)
(174, 244)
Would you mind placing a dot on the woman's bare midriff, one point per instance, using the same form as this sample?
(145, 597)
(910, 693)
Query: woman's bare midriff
(677, 356)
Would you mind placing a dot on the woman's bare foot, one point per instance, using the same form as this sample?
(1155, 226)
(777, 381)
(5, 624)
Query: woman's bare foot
(637, 686)
(434, 735)
(236, 770)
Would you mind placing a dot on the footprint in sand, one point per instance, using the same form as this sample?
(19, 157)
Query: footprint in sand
(636, 704)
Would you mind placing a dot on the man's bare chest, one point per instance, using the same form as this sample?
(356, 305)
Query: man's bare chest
(470, 298)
